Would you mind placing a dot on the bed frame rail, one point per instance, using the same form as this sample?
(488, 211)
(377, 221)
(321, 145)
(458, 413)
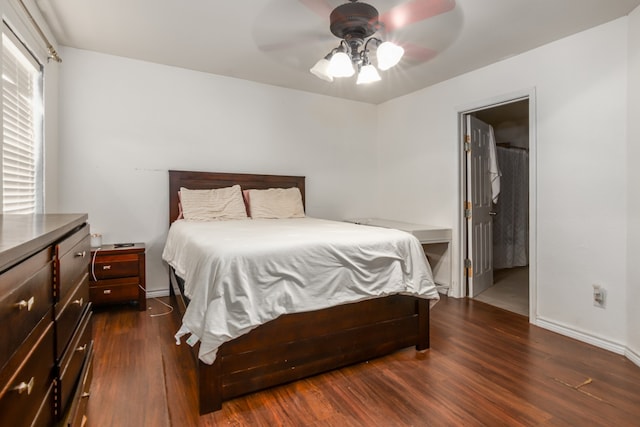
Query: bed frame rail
(281, 351)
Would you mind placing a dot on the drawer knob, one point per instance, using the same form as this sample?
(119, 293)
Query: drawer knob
(85, 395)
(107, 291)
(106, 267)
(81, 254)
(81, 348)
(28, 304)
(22, 387)
(79, 301)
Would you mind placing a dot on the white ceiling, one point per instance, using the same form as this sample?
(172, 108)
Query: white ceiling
(277, 41)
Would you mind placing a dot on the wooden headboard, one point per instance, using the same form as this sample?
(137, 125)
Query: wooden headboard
(206, 180)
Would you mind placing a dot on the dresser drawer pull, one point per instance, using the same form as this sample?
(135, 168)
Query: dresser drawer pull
(80, 302)
(81, 254)
(106, 291)
(81, 348)
(28, 304)
(106, 267)
(85, 395)
(22, 387)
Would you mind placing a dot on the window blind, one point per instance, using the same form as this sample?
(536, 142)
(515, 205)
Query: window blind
(21, 128)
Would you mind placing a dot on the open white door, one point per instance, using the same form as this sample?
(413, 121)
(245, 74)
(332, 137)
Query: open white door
(478, 204)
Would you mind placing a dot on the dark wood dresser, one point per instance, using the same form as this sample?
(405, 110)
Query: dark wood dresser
(117, 274)
(46, 344)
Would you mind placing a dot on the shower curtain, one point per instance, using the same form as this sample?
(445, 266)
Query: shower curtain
(511, 222)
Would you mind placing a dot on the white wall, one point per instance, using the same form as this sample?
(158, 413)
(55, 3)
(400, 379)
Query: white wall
(125, 123)
(580, 87)
(633, 191)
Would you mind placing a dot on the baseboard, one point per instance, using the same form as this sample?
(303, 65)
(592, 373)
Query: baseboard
(582, 336)
(158, 293)
(633, 356)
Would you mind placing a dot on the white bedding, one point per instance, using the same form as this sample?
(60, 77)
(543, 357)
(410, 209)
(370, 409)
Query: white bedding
(243, 273)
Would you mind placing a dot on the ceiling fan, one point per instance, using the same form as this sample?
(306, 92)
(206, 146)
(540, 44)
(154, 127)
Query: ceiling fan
(422, 28)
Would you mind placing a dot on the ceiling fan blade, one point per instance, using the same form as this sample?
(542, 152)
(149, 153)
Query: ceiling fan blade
(320, 7)
(299, 40)
(417, 54)
(413, 11)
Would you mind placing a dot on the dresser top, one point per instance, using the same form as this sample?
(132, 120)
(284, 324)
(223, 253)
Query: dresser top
(24, 235)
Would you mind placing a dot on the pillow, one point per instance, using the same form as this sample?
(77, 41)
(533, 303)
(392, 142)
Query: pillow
(211, 205)
(276, 203)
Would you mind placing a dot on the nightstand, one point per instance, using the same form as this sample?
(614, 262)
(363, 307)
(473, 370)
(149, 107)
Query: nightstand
(117, 275)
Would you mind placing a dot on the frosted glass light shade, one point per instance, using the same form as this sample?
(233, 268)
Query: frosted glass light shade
(368, 74)
(321, 70)
(341, 65)
(389, 54)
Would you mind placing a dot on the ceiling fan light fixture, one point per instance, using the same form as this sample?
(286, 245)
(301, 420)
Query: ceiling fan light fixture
(355, 24)
(389, 54)
(321, 69)
(368, 74)
(341, 65)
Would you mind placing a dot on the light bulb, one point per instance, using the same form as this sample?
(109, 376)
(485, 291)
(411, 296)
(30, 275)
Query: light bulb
(389, 54)
(321, 70)
(341, 65)
(368, 74)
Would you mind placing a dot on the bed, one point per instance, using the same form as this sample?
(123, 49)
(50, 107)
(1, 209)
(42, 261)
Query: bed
(297, 344)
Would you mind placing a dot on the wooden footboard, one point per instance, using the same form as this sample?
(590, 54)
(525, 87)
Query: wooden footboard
(299, 345)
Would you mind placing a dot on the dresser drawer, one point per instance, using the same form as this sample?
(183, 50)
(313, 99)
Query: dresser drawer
(114, 290)
(72, 258)
(76, 416)
(67, 318)
(114, 266)
(45, 416)
(25, 297)
(29, 387)
(72, 361)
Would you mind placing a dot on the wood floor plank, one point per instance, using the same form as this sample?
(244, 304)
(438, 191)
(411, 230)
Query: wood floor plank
(486, 366)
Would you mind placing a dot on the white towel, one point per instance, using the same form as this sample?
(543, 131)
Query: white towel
(494, 171)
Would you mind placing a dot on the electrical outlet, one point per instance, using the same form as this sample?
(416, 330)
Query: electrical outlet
(599, 296)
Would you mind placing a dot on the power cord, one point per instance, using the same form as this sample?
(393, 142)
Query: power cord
(161, 302)
(93, 264)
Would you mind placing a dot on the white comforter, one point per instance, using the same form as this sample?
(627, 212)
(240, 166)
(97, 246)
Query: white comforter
(241, 274)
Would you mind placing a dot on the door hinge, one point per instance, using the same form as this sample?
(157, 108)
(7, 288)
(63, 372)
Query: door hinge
(467, 210)
(468, 269)
(467, 143)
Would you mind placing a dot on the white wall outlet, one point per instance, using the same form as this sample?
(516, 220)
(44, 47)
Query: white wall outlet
(599, 296)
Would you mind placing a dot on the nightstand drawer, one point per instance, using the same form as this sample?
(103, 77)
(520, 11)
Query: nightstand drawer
(114, 266)
(115, 290)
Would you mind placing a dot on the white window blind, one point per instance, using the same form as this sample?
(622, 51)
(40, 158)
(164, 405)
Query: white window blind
(22, 108)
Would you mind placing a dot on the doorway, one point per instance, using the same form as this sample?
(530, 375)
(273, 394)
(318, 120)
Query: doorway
(497, 231)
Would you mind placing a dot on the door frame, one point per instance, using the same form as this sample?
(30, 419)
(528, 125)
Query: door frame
(530, 94)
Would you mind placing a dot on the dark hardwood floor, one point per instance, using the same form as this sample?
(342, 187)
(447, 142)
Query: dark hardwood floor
(486, 367)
